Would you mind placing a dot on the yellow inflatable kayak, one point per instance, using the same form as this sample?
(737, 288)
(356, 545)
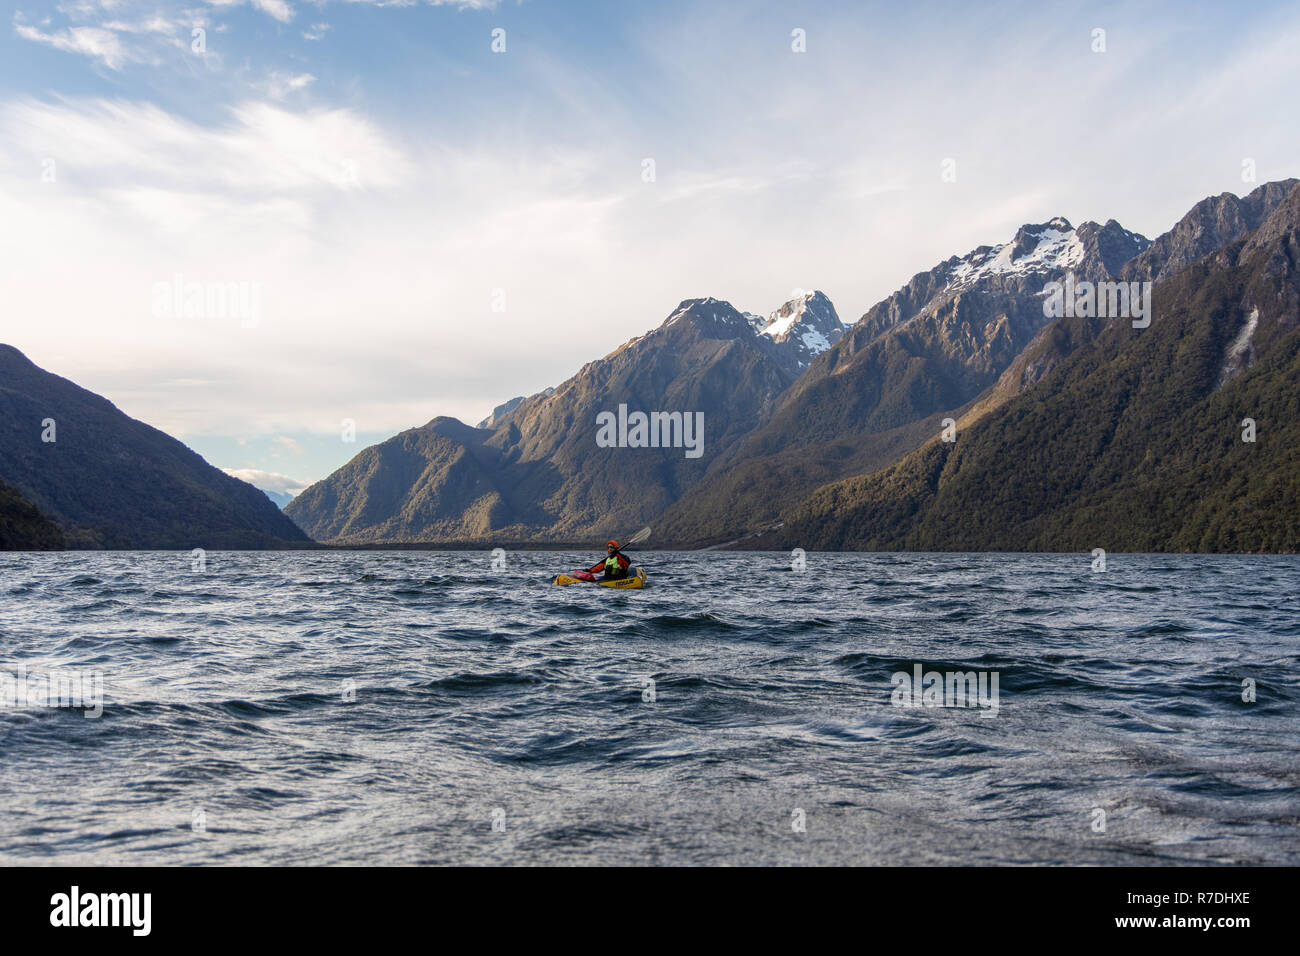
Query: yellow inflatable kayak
(634, 580)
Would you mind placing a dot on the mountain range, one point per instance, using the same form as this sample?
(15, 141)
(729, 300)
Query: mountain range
(959, 413)
(799, 408)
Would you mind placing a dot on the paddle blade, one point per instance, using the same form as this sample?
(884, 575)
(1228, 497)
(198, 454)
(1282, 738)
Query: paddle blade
(639, 536)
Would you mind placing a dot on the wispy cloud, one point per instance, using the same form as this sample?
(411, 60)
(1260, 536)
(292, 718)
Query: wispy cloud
(155, 24)
(98, 44)
(258, 149)
(268, 480)
(280, 85)
(284, 12)
(114, 33)
(277, 9)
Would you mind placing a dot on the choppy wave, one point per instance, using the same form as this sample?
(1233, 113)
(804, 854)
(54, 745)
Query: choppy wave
(416, 707)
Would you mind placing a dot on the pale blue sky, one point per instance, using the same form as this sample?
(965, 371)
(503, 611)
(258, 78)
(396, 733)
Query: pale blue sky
(377, 172)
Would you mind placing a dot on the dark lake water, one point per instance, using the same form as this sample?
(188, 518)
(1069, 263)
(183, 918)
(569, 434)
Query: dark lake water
(421, 707)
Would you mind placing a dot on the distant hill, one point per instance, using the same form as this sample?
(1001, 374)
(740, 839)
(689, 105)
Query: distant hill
(109, 481)
(23, 527)
(1133, 440)
(280, 498)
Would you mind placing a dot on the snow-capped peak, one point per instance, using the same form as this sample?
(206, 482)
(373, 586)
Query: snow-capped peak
(807, 324)
(1050, 246)
(802, 328)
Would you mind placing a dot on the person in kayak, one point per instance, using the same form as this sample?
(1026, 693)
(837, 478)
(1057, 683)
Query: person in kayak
(615, 564)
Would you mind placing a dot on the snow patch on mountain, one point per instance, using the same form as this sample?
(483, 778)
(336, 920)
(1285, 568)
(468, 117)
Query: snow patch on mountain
(816, 343)
(1049, 247)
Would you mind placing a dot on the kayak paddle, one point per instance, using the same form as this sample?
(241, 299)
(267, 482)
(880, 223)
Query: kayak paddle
(638, 537)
